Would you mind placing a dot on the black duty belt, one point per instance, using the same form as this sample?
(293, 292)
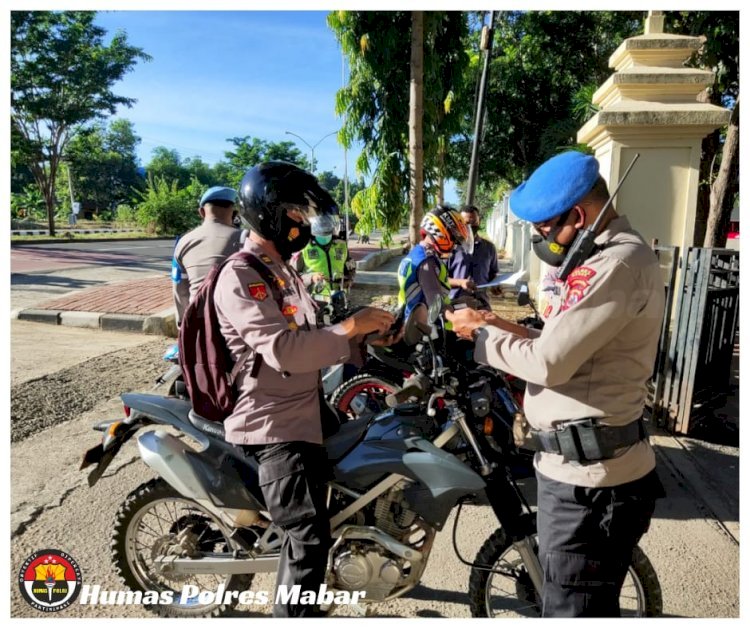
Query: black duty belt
(584, 440)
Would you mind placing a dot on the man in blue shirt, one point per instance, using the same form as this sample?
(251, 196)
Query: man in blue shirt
(479, 267)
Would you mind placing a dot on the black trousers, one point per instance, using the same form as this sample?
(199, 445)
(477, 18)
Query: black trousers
(586, 538)
(293, 478)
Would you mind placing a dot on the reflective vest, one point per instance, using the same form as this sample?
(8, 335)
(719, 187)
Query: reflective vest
(330, 261)
(410, 293)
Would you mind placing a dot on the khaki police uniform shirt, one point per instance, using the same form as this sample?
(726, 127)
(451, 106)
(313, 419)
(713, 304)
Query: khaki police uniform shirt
(280, 404)
(594, 355)
(196, 252)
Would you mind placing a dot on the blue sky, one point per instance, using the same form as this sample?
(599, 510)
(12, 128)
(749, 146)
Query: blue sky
(220, 74)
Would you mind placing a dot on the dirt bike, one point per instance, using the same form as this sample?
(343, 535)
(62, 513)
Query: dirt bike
(395, 478)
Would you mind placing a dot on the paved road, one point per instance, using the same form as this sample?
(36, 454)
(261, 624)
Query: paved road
(33, 258)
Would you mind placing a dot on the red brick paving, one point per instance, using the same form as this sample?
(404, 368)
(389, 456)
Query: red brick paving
(143, 296)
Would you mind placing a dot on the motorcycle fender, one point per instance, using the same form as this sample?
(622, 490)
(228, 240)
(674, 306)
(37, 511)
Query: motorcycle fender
(104, 453)
(193, 475)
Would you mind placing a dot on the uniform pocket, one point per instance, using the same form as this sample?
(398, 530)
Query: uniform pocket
(286, 490)
(578, 570)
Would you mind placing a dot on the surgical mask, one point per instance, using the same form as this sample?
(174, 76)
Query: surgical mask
(324, 240)
(294, 237)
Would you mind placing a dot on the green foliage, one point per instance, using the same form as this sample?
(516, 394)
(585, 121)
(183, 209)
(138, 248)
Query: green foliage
(543, 66)
(376, 103)
(167, 209)
(28, 204)
(104, 165)
(125, 214)
(166, 164)
(62, 76)
(249, 151)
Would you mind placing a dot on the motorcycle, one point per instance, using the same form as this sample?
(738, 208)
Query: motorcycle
(395, 478)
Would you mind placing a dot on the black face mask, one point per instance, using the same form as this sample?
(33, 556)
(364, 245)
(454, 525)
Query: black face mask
(294, 237)
(475, 229)
(546, 249)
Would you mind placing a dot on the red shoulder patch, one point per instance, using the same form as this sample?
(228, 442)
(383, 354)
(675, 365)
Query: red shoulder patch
(577, 284)
(258, 291)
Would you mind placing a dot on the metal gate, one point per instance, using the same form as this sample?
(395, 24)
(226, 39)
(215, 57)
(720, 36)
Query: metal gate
(694, 372)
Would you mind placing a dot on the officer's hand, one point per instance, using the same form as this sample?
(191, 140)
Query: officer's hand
(467, 284)
(318, 278)
(367, 321)
(466, 321)
(388, 340)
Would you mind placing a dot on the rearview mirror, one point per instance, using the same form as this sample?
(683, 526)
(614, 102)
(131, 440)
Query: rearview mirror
(435, 308)
(415, 324)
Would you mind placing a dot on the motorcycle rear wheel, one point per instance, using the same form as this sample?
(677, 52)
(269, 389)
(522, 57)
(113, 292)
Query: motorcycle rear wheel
(494, 594)
(160, 513)
(362, 394)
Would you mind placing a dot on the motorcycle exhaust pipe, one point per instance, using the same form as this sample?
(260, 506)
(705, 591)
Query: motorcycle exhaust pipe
(219, 565)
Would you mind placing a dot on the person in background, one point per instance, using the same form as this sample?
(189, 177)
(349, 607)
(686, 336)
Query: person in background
(211, 243)
(480, 267)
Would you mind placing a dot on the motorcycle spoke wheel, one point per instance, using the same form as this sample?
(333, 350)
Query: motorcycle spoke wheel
(506, 590)
(363, 394)
(155, 521)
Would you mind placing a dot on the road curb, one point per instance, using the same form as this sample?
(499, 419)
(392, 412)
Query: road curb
(159, 324)
(378, 258)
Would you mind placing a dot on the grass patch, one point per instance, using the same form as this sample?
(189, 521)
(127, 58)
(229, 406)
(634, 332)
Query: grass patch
(61, 236)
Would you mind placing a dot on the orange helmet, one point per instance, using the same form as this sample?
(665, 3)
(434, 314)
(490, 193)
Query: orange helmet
(447, 229)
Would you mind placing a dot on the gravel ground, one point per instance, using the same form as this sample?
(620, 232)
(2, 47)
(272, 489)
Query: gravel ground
(59, 397)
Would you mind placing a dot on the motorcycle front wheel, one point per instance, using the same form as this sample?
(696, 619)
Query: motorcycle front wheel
(155, 520)
(363, 394)
(508, 591)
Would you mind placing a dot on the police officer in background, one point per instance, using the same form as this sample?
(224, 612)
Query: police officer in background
(325, 261)
(277, 415)
(586, 373)
(480, 267)
(211, 243)
(422, 275)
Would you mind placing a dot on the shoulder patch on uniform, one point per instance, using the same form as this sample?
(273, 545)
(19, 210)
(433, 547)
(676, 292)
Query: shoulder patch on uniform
(578, 283)
(258, 291)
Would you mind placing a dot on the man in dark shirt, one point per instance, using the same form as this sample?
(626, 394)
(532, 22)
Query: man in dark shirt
(480, 266)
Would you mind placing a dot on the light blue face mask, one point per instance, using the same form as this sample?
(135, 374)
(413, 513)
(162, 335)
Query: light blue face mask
(324, 240)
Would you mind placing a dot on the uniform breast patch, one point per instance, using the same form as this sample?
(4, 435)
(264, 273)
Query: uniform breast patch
(258, 291)
(578, 283)
(289, 310)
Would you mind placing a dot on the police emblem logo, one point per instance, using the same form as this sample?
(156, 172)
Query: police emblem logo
(290, 310)
(578, 282)
(293, 234)
(258, 291)
(314, 253)
(50, 580)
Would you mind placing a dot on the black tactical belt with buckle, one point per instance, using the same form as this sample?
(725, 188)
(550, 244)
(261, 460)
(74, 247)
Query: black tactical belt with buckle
(586, 441)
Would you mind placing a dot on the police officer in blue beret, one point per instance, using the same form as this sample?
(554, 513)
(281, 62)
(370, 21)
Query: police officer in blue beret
(198, 250)
(586, 374)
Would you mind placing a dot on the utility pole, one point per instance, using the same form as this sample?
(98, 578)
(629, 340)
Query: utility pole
(486, 45)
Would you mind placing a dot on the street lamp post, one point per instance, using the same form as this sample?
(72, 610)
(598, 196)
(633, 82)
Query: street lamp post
(312, 148)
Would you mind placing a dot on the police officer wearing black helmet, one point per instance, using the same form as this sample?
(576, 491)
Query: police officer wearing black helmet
(277, 415)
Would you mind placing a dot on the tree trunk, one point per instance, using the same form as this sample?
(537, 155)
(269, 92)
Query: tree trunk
(721, 205)
(416, 109)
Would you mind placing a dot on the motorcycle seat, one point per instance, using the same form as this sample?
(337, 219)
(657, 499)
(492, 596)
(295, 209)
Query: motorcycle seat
(212, 428)
(345, 439)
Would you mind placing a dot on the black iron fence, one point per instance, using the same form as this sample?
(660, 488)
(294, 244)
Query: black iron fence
(693, 365)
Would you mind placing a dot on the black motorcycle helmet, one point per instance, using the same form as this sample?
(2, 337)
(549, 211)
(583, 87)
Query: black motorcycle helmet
(269, 189)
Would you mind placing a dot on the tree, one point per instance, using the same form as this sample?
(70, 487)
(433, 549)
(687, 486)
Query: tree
(104, 164)
(416, 112)
(166, 164)
(61, 76)
(250, 151)
(541, 61)
(376, 103)
(168, 209)
(720, 157)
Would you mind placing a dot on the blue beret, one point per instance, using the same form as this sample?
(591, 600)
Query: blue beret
(555, 186)
(218, 193)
